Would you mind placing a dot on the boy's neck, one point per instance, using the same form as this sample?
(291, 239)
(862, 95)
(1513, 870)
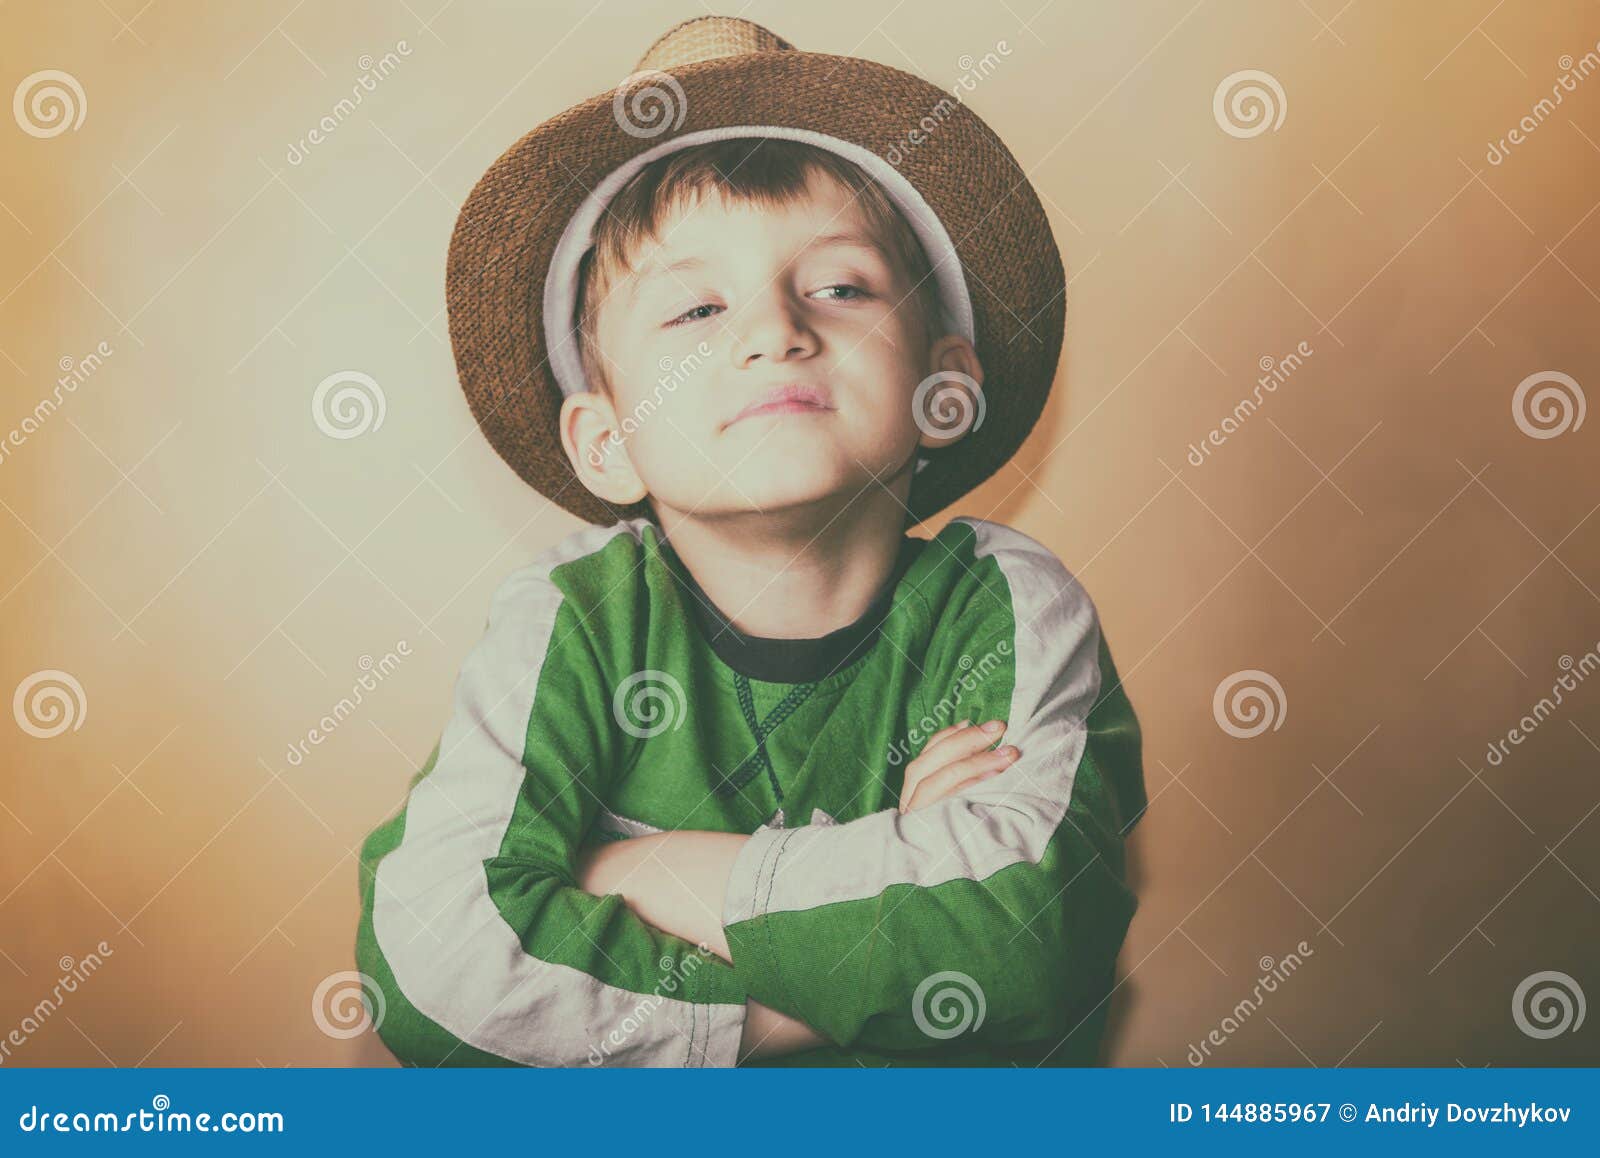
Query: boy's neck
(796, 574)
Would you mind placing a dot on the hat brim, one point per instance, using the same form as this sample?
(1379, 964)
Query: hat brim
(512, 221)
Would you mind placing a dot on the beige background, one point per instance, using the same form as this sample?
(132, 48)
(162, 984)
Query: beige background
(1380, 536)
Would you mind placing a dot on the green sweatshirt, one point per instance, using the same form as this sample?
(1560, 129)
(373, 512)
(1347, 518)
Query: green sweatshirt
(609, 698)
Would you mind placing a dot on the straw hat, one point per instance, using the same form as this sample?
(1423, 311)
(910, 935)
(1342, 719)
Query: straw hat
(511, 277)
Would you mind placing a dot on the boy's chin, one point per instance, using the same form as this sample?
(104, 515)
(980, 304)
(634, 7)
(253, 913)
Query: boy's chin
(776, 496)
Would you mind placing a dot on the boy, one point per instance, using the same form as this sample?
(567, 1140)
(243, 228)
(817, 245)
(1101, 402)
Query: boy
(744, 774)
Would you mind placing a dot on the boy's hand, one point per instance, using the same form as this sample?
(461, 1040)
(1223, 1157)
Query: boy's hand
(954, 759)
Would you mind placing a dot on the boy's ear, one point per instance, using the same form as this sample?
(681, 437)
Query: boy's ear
(950, 401)
(592, 437)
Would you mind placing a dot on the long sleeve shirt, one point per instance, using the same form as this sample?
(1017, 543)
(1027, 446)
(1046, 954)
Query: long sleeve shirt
(609, 698)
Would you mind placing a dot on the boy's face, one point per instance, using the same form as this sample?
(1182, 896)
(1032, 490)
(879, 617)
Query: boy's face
(760, 358)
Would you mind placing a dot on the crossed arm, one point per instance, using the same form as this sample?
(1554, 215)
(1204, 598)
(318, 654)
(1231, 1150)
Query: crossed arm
(682, 887)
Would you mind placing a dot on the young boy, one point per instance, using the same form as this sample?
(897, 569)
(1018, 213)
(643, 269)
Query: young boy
(744, 774)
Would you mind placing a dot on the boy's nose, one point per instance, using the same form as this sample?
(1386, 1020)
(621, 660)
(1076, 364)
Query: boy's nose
(773, 328)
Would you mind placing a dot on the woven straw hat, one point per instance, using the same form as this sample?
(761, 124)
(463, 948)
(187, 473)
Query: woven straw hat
(511, 279)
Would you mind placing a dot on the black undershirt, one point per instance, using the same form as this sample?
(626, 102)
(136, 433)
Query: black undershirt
(791, 660)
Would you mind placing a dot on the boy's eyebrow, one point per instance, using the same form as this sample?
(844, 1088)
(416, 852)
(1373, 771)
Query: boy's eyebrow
(844, 238)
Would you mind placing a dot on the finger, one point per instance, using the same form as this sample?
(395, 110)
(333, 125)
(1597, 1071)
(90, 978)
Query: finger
(957, 746)
(942, 783)
(948, 730)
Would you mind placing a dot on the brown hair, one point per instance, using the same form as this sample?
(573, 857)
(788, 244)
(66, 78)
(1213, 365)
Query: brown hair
(765, 171)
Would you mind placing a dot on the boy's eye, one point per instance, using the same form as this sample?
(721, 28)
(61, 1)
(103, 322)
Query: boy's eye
(697, 314)
(841, 293)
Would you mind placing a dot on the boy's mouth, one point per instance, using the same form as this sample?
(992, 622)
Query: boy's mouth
(794, 398)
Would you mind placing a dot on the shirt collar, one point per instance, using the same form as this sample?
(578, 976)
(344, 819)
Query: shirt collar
(790, 660)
